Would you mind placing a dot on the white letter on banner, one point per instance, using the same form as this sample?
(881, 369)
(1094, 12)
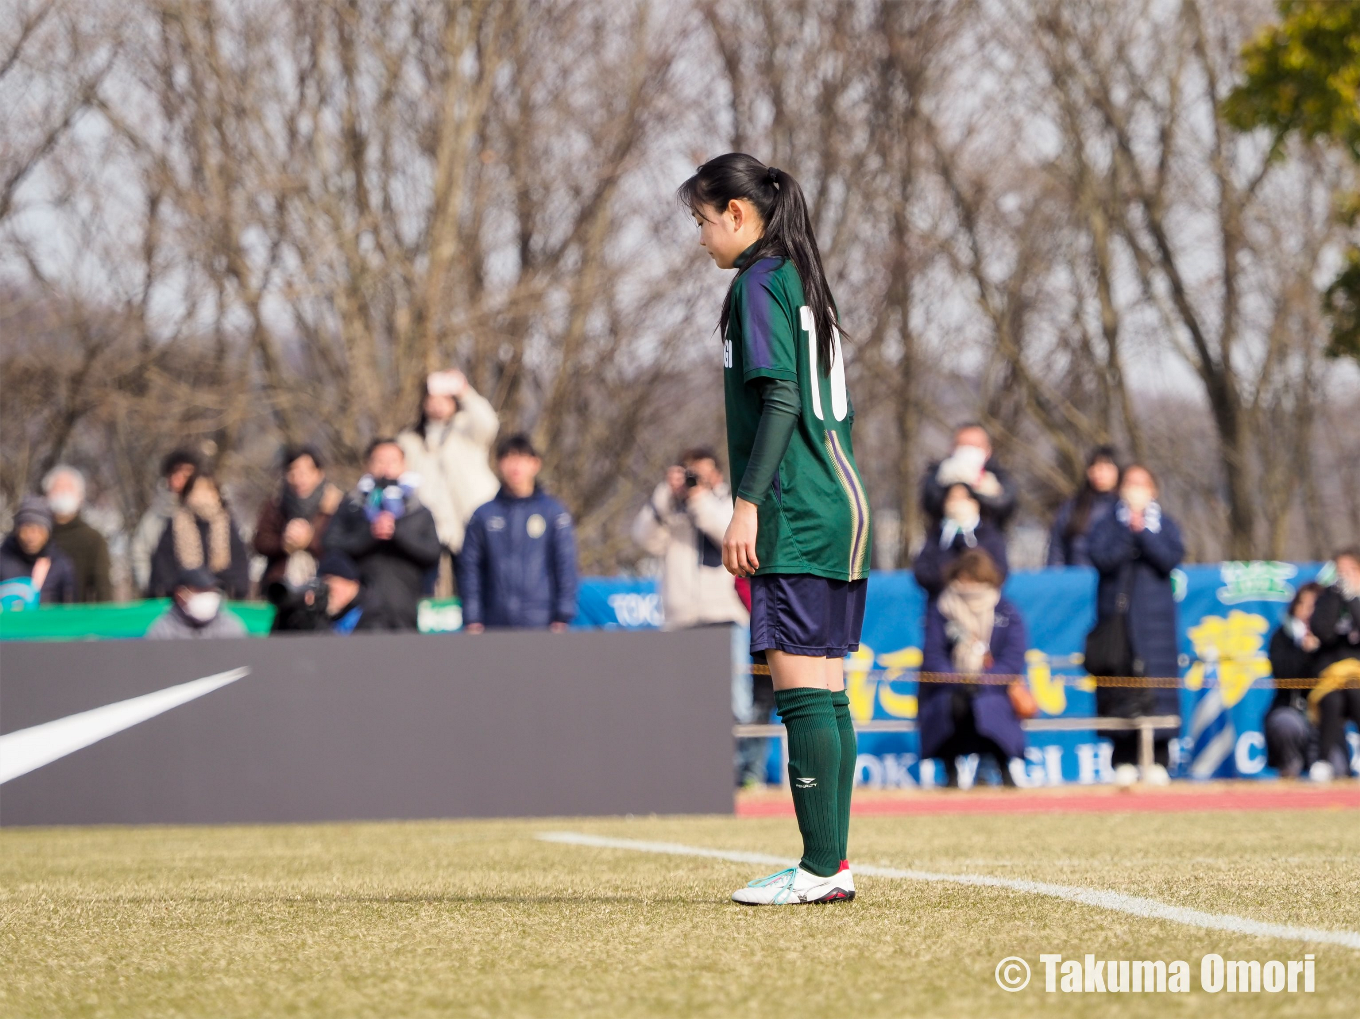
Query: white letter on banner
(1249, 763)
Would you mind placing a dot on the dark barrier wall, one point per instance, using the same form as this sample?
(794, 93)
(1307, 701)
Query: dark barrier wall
(381, 726)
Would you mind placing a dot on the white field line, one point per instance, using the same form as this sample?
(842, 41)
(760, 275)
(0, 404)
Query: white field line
(1133, 905)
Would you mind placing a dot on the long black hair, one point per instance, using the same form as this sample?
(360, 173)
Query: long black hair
(1086, 497)
(788, 231)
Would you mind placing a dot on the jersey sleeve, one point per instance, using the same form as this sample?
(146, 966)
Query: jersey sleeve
(768, 332)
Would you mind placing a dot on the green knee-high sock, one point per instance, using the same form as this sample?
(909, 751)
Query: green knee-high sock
(814, 773)
(849, 755)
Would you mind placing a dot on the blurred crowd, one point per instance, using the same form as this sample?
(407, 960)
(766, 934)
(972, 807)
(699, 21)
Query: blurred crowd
(430, 516)
(444, 508)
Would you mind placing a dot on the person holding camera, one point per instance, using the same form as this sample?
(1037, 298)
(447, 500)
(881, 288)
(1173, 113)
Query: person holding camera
(683, 525)
(333, 601)
(390, 535)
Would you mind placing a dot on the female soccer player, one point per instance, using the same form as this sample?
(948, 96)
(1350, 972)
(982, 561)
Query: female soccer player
(800, 529)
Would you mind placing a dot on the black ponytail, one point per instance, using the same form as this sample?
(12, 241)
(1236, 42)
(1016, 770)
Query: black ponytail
(788, 231)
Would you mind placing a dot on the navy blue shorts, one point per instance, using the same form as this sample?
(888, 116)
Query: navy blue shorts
(806, 615)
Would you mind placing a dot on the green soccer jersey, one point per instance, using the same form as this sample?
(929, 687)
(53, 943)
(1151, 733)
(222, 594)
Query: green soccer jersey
(815, 517)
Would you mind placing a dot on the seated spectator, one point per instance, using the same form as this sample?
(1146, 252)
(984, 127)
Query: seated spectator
(196, 610)
(970, 463)
(29, 556)
(1291, 741)
(86, 548)
(971, 630)
(1067, 542)
(449, 448)
(176, 469)
(290, 526)
(960, 528)
(1135, 548)
(1336, 624)
(202, 533)
(332, 602)
(518, 567)
(683, 525)
(390, 535)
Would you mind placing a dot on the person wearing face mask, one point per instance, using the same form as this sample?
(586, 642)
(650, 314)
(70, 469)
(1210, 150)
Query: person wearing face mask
(970, 463)
(1336, 624)
(973, 631)
(962, 526)
(64, 487)
(202, 533)
(1135, 548)
(195, 610)
(33, 570)
(1067, 543)
(449, 447)
(383, 526)
(1291, 740)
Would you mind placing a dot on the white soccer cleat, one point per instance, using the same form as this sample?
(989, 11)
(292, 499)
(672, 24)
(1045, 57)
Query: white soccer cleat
(796, 886)
(1321, 771)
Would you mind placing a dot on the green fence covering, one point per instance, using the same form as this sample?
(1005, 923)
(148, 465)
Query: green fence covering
(132, 619)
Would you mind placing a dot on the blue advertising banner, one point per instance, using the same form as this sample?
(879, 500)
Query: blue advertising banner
(1227, 613)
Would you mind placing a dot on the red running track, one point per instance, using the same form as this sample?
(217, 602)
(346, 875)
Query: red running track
(1079, 801)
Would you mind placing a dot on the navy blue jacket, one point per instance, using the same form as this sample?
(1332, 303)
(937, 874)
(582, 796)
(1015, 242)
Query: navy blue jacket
(518, 564)
(992, 711)
(1074, 550)
(1149, 558)
(932, 561)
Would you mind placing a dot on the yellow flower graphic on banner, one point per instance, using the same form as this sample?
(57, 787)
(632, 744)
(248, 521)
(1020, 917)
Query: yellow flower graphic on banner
(859, 687)
(862, 686)
(1236, 646)
(1050, 694)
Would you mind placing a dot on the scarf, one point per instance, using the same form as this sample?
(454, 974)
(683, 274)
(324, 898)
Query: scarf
(189, 542)
(969, 610)
(294, 506)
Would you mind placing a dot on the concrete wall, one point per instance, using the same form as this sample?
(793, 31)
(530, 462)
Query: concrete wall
(376, 726)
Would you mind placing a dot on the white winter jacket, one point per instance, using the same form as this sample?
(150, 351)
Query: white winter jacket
(454, 464)
(695, 586)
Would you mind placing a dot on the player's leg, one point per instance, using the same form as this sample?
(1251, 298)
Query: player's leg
(788, 628)
(845, 725)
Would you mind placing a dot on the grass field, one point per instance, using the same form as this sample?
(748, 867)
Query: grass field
(484, 918)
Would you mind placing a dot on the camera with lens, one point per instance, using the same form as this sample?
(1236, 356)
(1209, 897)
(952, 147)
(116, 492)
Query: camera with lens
(691, 479)
(298, 607)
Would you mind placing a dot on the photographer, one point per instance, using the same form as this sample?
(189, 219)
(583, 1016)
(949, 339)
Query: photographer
(333, 602)
(683, 526)
(384, 528)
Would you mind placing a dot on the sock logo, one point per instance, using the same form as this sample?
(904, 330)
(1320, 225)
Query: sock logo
(805, 783)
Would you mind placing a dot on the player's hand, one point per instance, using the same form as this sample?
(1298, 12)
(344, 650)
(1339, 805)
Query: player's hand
(739, 543)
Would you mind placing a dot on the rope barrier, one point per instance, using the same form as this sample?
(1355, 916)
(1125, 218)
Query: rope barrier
(1136, 682)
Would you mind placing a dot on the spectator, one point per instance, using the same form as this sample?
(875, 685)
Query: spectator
(683, 525)
(970, 463)
(176, 469)
(86, 548)
(195, 610)
(202, 533)
(333, 602)
(1291, 741)
(390, 535)
(972, 630)
(518, 567)
(1135, 548)
(1336, 624)
(289, 530)
(962, 526)
(29, 554)
(450, 449)
(1067, 543)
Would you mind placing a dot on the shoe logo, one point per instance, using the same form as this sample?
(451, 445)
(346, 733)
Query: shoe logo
(805, 783)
